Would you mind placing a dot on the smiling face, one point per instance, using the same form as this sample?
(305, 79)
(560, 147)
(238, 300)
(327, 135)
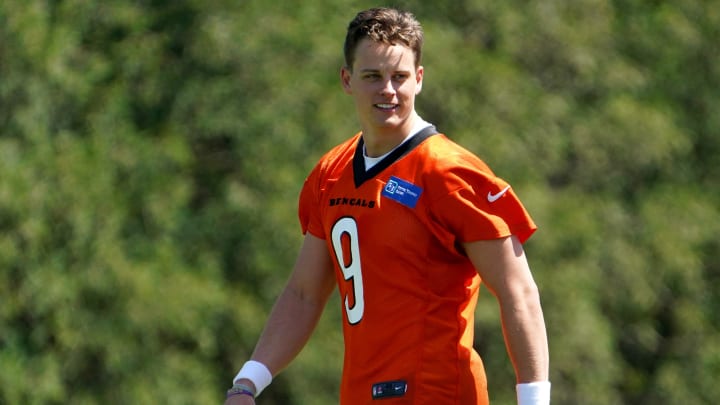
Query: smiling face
(383, 82)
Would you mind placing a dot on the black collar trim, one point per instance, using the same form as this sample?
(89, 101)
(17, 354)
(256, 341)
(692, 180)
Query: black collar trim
(361, 176)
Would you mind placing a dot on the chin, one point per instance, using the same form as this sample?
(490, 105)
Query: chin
(390, 121)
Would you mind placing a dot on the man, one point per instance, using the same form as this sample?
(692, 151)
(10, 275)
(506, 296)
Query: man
(407, 224)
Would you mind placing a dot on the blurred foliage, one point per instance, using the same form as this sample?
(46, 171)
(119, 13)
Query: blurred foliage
(151, 153)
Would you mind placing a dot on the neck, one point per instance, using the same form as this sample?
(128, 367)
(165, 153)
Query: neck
(379, 141)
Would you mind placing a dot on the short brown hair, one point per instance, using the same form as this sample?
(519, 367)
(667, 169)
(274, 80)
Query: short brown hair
(387, 25)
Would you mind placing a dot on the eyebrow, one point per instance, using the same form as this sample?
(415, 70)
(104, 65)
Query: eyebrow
(378, 70)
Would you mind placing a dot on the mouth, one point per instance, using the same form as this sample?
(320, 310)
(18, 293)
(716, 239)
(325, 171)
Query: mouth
(386, 106)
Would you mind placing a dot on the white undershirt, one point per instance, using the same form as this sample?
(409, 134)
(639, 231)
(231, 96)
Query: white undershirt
(418, 126)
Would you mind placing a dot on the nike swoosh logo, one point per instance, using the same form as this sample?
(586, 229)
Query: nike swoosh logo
(494, 197)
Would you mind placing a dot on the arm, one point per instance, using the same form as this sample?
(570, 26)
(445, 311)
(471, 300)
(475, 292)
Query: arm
(296, 311)
(503, 267)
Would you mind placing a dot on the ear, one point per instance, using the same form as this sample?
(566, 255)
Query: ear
(419, 73)
(345, 75)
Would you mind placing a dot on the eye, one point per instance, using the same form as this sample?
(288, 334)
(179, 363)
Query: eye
(371, 76)
(400, 76)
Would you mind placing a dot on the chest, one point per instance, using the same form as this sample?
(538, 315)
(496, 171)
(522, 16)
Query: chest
(387, 207)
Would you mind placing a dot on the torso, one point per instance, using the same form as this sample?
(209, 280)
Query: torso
(408, 293)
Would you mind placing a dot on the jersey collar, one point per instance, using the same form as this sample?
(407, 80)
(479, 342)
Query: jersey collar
(361, 175)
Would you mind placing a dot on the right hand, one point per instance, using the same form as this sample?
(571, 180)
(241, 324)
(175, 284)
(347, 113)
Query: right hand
(240, 400)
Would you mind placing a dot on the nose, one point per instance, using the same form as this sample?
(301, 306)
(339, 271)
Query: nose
(388, 89)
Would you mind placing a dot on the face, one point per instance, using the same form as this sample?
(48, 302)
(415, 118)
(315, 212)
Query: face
(383, 82)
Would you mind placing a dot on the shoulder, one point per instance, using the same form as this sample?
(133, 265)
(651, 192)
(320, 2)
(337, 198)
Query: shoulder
(332, 164)
(449, 165)
(338, 155)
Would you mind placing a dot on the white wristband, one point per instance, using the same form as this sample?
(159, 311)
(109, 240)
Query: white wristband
(534, 393)
(256, 372)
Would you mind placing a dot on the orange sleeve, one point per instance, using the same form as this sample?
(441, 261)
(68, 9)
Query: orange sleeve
(309, 205)
(480, 206)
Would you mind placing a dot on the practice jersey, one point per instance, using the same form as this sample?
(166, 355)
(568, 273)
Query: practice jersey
(407, 290)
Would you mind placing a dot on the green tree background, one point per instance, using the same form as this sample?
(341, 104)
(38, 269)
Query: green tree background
(151, 153)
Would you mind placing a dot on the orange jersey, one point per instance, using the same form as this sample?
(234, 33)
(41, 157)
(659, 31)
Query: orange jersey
(408, 292)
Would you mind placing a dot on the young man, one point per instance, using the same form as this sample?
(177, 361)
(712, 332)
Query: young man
(407, 224)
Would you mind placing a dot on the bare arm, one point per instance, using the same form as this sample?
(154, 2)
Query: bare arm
(296, 311)
(505, 271)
